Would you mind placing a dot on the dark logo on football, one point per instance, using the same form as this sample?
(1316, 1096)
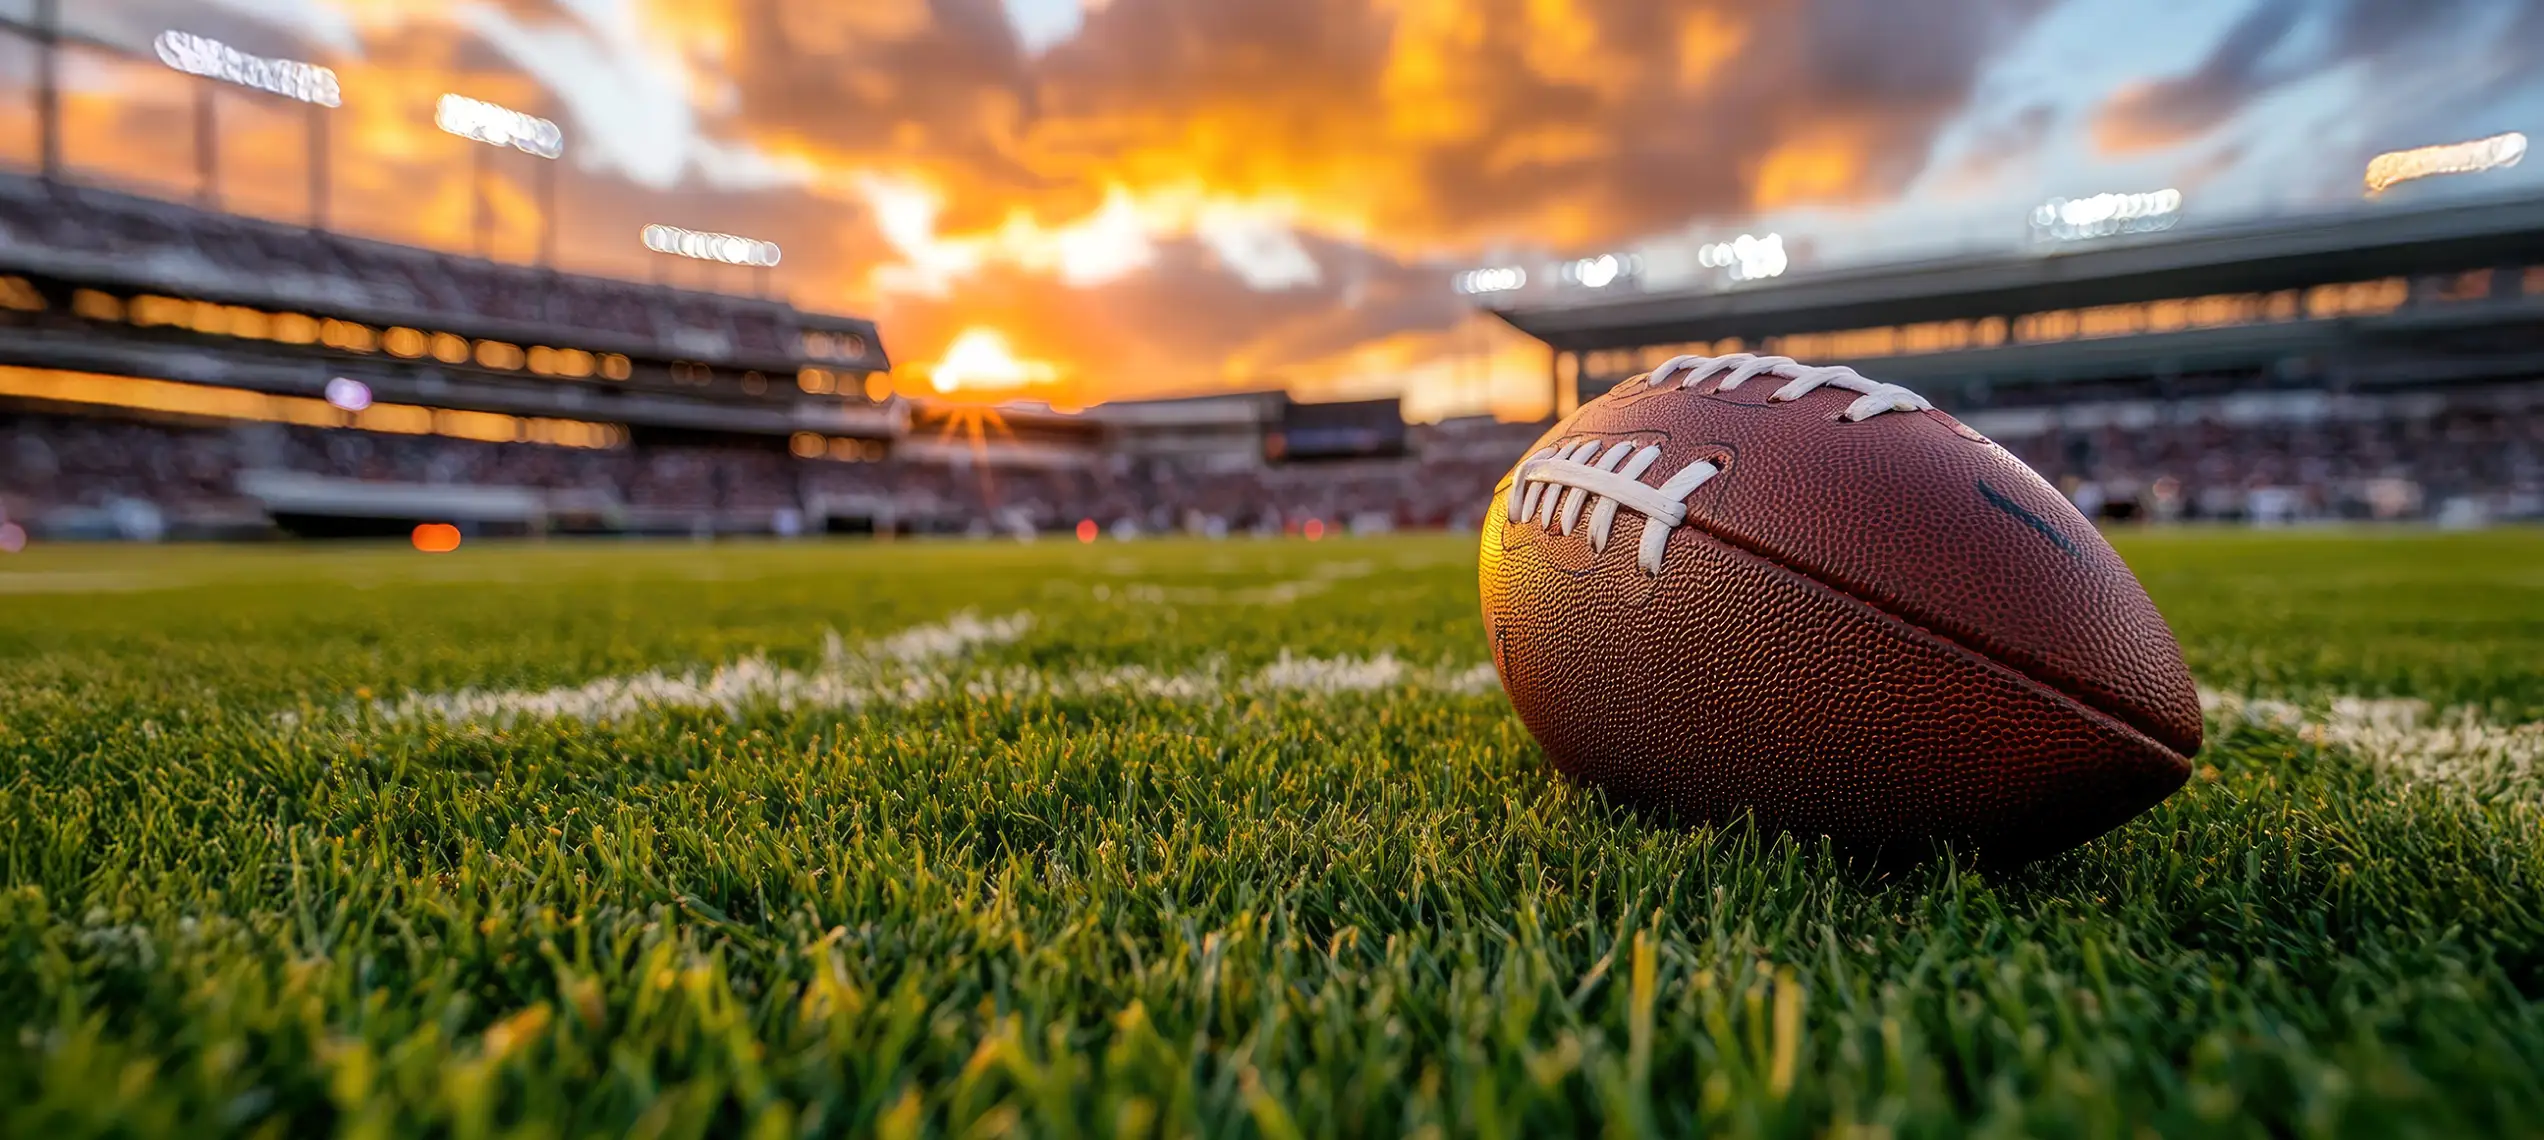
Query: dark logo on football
(1997, 499)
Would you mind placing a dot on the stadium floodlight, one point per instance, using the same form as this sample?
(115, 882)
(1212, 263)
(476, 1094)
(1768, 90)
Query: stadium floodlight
(2074, 219)
(1600, 271)
(725, 248)
(497, 125)
(2398, 166)
(1496, 279)
(212, 59)
(1748, 257)
(348, 393)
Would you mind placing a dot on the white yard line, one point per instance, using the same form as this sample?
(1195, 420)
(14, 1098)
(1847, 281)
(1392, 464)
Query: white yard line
(85, 582)
(2407, 738)
(911, 667)
(1323, 578)
(848, 678)
(2457, 747)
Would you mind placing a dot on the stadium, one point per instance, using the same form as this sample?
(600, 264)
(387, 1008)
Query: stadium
(177, 373)
(445, 690)
(2373, 367)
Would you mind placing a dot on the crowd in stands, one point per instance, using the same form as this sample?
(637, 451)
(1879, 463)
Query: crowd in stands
(239, 256)
(55, 463)
(2287, 457)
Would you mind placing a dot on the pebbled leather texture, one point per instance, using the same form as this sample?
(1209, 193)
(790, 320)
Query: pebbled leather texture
(1888, 632)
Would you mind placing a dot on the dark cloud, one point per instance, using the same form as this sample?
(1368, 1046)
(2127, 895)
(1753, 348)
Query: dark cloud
(133, 24)
(1365, 296)
(1397, 136)
(2161, 113)
(2279, 42)
(1428, 122)
(2509, 54)
(1885, 52)
(1998, 143)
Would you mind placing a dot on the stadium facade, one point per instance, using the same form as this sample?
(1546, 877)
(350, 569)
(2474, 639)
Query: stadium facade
(2382, 362)
(171, 369)
(2345, 300)
(167, 370)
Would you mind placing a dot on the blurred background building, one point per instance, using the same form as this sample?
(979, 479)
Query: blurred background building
(207, 352)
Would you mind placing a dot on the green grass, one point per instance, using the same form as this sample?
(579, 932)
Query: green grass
(240, 893)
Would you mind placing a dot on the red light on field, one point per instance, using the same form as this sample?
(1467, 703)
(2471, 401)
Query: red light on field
(1086, 530)
(437, 538)
(1315, 529)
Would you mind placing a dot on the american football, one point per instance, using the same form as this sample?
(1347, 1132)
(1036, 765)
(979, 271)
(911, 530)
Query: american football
(1739, 582)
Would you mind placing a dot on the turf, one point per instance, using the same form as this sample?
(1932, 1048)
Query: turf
(1171, 838)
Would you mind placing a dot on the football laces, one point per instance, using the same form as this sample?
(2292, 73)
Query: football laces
(1802, 379)
(1554, 485)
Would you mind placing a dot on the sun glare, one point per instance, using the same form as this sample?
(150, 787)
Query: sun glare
(980, 360)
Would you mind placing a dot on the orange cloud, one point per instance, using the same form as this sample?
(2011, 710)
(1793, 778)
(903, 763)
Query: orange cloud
(1183, 196)
(2136, 118)
(1808, 168)
(1706, 41)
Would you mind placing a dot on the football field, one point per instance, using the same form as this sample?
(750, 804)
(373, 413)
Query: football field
(1174, 837)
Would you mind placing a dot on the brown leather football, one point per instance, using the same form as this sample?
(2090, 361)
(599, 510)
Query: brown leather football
(1739, 583)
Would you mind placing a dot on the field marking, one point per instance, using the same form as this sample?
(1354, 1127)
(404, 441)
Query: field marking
(1291, 674)
(908, 668)
(2407, 737)
(849, 677)
(85, 582)
(1276, 594)
(1320, 579)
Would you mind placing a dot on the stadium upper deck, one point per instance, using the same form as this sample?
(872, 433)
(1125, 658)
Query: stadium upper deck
(109, 283)
(2378, 295)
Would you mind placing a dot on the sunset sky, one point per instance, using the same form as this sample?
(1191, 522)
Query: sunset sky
(1091, 199)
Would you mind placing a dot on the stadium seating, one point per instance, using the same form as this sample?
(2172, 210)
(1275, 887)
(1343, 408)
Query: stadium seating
(51, 463)
(2234, 450)
(2466, 455)
(179, 245)
(2462, 456)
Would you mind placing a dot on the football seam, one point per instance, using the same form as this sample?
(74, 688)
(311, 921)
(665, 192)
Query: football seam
(2079, 700)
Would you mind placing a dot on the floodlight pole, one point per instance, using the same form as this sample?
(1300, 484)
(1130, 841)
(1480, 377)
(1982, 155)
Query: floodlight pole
(320, 178)
(1554, 380)
(548, 212)
(482, 221)
(207, 159)
(48, 86)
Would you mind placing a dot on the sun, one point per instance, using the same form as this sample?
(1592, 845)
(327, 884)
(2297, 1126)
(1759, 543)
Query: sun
(979, 359)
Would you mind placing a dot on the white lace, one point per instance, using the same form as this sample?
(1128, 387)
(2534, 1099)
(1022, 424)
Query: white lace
(1607, 480)
(1605, 485)
(1877, 397)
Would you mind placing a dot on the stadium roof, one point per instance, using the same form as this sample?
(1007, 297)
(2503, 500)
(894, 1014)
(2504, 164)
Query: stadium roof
(2277, 254)
(91, 235)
